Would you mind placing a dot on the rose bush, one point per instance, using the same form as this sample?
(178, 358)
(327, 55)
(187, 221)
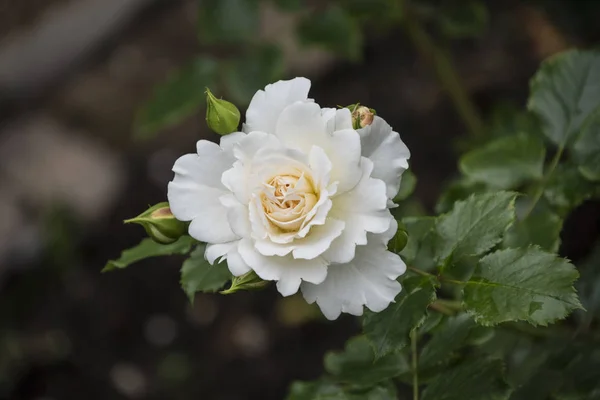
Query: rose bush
(300, 198)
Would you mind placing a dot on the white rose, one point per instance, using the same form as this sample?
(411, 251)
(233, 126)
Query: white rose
(301, 198)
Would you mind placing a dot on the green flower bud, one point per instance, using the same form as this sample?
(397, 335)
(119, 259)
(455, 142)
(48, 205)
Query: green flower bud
(221, 116)
(249, 281)
(160, 224)
(400, 239)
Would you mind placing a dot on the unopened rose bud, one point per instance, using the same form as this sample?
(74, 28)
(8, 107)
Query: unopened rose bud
(160, 224)
(249, 281)
(221, 116)
(362, 116)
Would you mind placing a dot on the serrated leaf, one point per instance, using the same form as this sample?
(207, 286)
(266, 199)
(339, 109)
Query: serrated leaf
(149, 248)
(567, 189)
(389, 330)
(334, 30)
(407, 186)
(479, 379)
(244, 76)
(450, 336)
(474, 225)
(228, 21)
(180, 96)
(419, 251)
(586, 150)
(521, 285)
(506, 162)
(197, 275)
(564, 92)
(542, 228)
(357, 364)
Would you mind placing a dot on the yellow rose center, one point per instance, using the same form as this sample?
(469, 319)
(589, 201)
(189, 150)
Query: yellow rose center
(287, 199)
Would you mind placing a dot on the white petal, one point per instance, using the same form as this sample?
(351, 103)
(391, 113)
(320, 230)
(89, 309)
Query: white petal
(302, 126)
(363, 209)
(388, 152)
(310, 247)
(228, 141)
(237, 215)
(236, 264)
(214, 251)
(368, 280)
(195, 190)
(287, 271)
(265, 106)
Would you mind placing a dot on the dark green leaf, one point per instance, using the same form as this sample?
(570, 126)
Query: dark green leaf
(289, 5)
(400, 239)
(582, 376)
(458, 190)
(407, 186)
(358, 366)
(521, 284)
(319, 390)
(261, 65)
(389, 330)
(474, 225)
(506, 162)
(228, 21)
(323, 390)
(334, 30)
(418, 251)
(567, 189)
(149, 248)
(479, 379)
(179, 97)
(463, 19)
(564, 92)
(586, 149)
(507, 119)
(542, 227)
(448, 337)
(589, 287)
(197, 275)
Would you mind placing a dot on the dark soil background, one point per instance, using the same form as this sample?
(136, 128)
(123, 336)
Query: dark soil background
(69, 332)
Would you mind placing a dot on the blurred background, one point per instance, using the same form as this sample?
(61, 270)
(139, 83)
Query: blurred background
(87, 139)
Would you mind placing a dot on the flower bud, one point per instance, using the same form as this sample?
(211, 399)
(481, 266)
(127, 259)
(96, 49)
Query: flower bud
(221, 116)
(362, 116)
(160, 224)
(249, 281)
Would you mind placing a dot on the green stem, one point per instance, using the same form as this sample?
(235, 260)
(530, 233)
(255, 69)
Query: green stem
(544, 181)
(453, 305)
(444, 69)
(415, 364)
(420, 272)
(442, 308)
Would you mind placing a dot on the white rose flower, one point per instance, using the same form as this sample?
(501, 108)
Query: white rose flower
(300, 198)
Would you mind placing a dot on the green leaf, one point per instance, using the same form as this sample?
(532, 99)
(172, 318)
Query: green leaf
(567, 189)
(450, 336)
(479, 379)
(564, 92)
(542, 227)
(324, 390)
(228, 21)
(418, 251)
(586, 150)
(588, 287)
(334, 30)
(289, 5)
(475, 225)
(358, 365)
(521, 284)
(197, 275)
(506, 162)
(582, 376)
(180, 96)
(389, 329)
(458, 190)
(149, 248)
(463, 19)
(260, 66)
(318, 390)
(407, 186)
(400, 239)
